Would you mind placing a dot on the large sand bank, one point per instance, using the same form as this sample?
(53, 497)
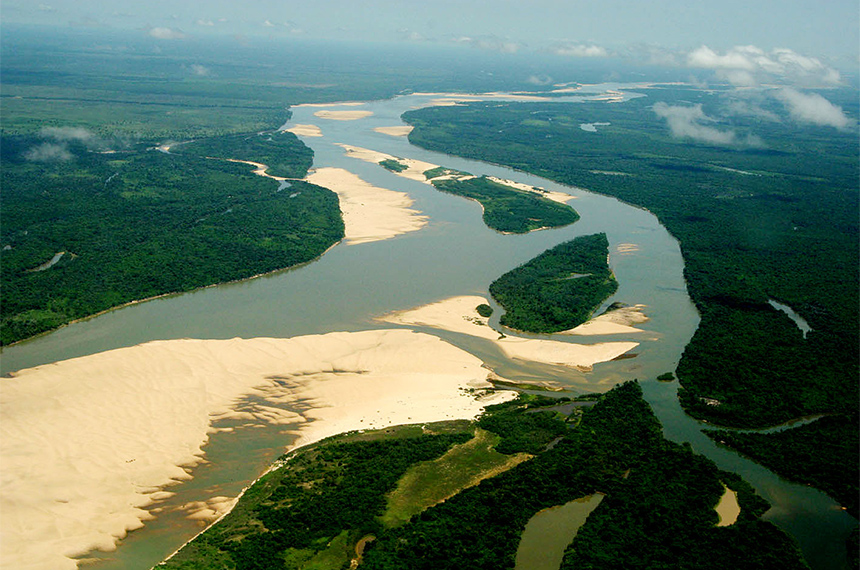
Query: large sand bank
(616, 321)
(88, 444)
(370, 213)
(305, 130)
(399, 131)
(342, 115)
(458, 314)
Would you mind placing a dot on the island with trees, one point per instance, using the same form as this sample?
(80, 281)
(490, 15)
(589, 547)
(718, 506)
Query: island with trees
(557, 290)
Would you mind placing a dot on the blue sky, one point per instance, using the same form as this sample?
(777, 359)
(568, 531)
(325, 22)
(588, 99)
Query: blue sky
(828, 30)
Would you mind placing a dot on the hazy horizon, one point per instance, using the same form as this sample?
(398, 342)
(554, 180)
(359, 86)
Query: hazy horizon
(669, 32)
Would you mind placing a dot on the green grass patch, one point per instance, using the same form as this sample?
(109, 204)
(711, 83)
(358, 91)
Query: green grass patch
(431, 482)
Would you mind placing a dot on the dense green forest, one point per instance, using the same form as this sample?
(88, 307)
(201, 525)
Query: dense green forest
(776, 220)
(138, 223)
(659, 506)
(557, 290)
(507, 209)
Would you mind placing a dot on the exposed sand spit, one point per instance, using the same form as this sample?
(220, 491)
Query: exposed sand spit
(87, 444)
(458, 314)
(400, 131)
(370, 213)
(342, 115)
(305, 130)
(616, 321)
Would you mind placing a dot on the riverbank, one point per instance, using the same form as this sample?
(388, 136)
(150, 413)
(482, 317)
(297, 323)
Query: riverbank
(90, 444)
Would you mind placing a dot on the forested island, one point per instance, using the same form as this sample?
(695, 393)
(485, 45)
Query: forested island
(326, 499)
(507, 209)
(557, 290)
(754, 224)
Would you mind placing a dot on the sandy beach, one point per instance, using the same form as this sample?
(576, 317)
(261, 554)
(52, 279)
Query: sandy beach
(728, 508)
(400, 131)
(617, 321)
(89, 444)
(342, 115)
(305, 130)
(370, 213)
(458, 314)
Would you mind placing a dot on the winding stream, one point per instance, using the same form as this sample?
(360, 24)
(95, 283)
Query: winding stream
(455, 254)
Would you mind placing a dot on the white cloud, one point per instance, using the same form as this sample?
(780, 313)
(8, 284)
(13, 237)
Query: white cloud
(750, 109)
(687, 122)
(580, 50)
(68, 134)
(208, 23)
(49, 152)
(812, 108)
(747, 66)
(539, 79)
(200, 70)
(490, 43)
(166, 34)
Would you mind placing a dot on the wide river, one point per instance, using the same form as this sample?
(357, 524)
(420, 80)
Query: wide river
(455, 254)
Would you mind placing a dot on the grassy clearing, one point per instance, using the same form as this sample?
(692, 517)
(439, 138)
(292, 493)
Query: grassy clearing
(463, 466)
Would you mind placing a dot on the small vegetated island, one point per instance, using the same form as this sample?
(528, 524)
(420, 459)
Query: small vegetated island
(459, 494)
(90, 224)
(559, 289)
(508, 209)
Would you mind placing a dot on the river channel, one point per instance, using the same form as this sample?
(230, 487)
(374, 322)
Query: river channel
(455, 254)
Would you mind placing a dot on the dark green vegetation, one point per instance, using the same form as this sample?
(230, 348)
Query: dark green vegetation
(658, 512)
(284, 154)
(484, 310)
(778, 221)
(813, 454)
(140, 223)
(508, 209)
(393, 165)
(557, 290)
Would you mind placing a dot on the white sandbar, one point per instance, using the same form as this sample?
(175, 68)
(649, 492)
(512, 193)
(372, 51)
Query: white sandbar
(88, 444)
(458, 314)
(305, 130)
(617, 321)
(370, 213)
(399, 131)
(342, 115)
